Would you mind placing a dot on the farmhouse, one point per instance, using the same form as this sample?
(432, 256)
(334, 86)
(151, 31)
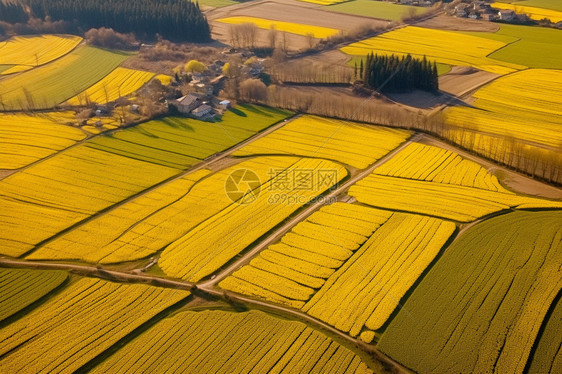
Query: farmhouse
(202, 111)
(507, 15)
(187, 103)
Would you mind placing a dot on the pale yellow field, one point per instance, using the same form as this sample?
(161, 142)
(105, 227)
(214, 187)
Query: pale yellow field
(526, 106)
(535, 13)
(447, 47)
(293, 28)
(36, 50)
(119, 83)
(342, 141)
(27, 138)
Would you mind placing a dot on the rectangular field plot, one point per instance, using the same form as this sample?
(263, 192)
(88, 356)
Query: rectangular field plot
(526, 106)
(78, 324)
(48, 197)
(376, 9)
(459, 49)
(214, 341)
(36, 50)
(346, 265)
(20, 288)
(119, 83)
(180, 142)
(480, 307)
(51, 84)
(547, 357)
(533, 12)
(222, 236)
(341, 141)
(293, 28)
(427, 180)
(26, 139)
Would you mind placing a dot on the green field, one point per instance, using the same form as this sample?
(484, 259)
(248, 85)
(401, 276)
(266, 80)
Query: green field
(217, 3)
(535, 47)
(546, 4)
(548, 353)
(20, 287)
(5, 67)
(56, 82)
(479, 309)
(180, 142)
(377, 9)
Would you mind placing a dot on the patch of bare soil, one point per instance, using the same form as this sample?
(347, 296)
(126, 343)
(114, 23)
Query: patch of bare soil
(5, 173)
(423, 99)
(331, 57)
(295, 43)
(462, 80)
(444, 22)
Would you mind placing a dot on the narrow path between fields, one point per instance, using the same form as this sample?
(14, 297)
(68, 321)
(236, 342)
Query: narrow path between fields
(305, 213)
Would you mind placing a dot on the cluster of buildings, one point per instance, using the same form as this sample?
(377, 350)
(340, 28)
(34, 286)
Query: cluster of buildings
(480, 9)
(198, 105)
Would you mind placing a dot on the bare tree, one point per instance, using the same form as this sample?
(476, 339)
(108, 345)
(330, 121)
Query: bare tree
(311, 40)
(272, 36)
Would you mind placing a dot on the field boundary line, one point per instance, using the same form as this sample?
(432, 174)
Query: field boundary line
(199, 166)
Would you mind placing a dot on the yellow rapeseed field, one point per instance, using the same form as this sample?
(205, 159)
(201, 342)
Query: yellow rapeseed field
(289, 272)
(447, 47)
(534, 12)
(311, 136)
(16, 69)
(138, 228)
(367, 288)
(459, 203)
(48, 197)
(216, 240)
(20, 288)
(119, 83)
(293, 28)
(28, 138)
(526, 106)
(36, 50)
(434, 164)
(215, 341)
(78, 324)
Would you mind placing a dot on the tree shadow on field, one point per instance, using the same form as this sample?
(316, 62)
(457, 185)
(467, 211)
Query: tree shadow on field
(238, 112)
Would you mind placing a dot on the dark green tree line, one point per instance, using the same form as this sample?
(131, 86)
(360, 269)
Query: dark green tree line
(399, 73)
(176, 20)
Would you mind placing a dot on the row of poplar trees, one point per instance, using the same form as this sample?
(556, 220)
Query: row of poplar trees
(391, 73)
(176, 20)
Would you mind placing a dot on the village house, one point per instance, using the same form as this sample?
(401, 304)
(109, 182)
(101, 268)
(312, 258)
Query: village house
(507, 15)
(202, 111)
(187, 103)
